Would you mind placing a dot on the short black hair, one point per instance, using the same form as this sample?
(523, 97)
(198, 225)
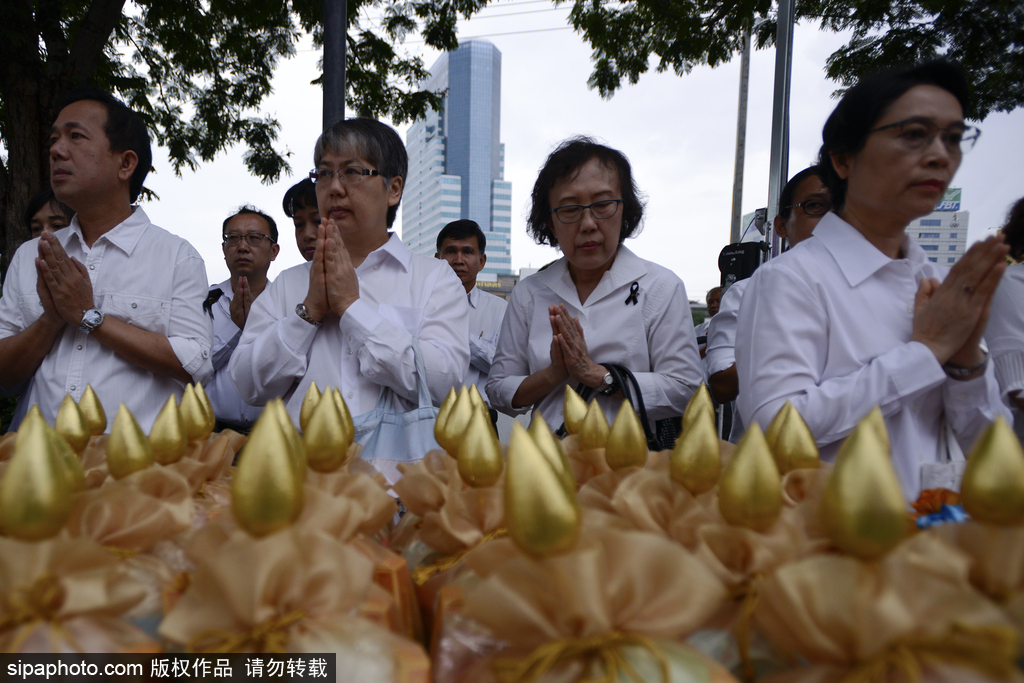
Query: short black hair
(460, 230)
(42, 198)
(125, 130)
(786, 196)
(376, 142)
(250, 209)
(300, 195)
(846, 130)
(566, 161)
(1013, 230)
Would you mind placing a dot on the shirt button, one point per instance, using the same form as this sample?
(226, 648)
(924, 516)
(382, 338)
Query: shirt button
(92, 267)
(350, 352)
(73, 387)
(134, 305)
(79, 347)
(350, 394)
(205, 354)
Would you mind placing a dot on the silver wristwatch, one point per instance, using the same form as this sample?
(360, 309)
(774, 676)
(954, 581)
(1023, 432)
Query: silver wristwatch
(300, 310)
(608, 385)
(91, 319)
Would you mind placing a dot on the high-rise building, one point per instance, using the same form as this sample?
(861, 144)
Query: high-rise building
(456, 158)
(943, 232)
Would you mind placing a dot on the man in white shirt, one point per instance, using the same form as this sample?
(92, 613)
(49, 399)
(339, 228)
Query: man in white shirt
(462, 244)
(111, 301)
(250, 245)
(802, 203)
(348, 318)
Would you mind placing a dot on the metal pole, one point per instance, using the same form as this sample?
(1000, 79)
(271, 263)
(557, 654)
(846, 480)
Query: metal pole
(779, 164)
(741, 141)
(334, 61)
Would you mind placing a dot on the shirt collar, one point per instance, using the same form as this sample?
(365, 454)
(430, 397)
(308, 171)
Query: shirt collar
(474, 296)
(225, 288)
(627, 268)
(125, 235)
(393, 249)
(858, 259)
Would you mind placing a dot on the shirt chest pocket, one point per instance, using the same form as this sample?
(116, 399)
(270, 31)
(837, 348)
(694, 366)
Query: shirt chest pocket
(406, 317)
(31, 306)
(146, 313)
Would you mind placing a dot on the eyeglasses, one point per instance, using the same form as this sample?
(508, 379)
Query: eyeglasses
(918, 133)
(812, 207)
(573, 213)
(253, 239)
(347, 175)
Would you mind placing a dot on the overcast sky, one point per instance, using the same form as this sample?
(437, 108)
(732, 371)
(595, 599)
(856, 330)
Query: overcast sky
(678, 132)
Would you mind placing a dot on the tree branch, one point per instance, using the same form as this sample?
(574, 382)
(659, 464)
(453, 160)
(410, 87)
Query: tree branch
(92, 35)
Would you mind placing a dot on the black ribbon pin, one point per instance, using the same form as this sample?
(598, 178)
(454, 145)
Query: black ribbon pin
(215, 294)
(633, 289)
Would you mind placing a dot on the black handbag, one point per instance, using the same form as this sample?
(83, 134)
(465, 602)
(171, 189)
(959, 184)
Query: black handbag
(665, 432)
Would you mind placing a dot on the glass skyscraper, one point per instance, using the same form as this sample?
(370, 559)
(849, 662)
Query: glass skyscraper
(456, 158)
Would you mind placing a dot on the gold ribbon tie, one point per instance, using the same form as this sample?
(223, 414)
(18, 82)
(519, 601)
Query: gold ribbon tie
(990, 650)
(605, 646)
(269, 636)
(35, 604)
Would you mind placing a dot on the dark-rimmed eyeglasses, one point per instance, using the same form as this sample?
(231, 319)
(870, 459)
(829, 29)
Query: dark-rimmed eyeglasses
(253, 239)
(347, 175)
(573, 213)
(812, 207)
(918, 133)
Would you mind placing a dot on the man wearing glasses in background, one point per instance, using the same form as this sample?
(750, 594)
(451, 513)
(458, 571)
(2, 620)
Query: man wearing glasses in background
(351, 316)
(250, 244)
(802, 203)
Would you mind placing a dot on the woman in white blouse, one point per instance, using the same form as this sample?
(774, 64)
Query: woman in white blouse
(599, 303)
(858, 315)
(1005, 332)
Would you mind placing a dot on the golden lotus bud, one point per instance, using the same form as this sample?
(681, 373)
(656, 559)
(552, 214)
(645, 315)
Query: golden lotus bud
(266, 492)
(346, 416)
(72, 465)
(296, 451)
(594, 430)
(167, 437)
(542, 517)
(700, 405)
(326, 439)
(696, 460)
(476, 399)
(309, 403)
(35, 495)
(627, 442)
(791, 442)
(551, 448)
(128, 449)
(92, 409)
(72, 425)
(442, 416)
(204, 401)
(480, 462)
(750, 491)
(194, 415)
(862, 508)
(992, 491)
(458, 421)
(575, 411)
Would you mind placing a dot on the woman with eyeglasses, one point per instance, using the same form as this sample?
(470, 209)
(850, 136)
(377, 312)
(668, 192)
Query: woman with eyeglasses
(858, 316)
(598, 304)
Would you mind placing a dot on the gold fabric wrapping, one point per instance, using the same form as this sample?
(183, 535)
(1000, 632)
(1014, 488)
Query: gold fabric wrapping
(614, 590)
(997, 563)
(585, 464)
(67, 595)
(291, 591)
(911, 616)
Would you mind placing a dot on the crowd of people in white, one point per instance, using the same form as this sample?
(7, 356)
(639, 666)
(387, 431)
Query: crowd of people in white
(851, 317)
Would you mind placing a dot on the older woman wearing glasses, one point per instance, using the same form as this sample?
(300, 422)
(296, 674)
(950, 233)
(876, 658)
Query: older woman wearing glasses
(858, 316)
(599, 303)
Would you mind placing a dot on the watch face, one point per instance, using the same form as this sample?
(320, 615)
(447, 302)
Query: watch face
(92, 318)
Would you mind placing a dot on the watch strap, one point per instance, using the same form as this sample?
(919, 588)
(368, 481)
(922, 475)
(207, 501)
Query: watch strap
(300, 310)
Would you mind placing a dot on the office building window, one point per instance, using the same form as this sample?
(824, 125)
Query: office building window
(952, 235)
(931, 221)
(952, 247)
(951, 260)
(930, 247)
(929, 235)
(933, 259)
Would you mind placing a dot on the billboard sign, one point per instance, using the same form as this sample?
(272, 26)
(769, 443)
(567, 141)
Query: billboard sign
(950, 201)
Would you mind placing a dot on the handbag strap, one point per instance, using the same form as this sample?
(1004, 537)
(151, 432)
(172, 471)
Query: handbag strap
(630, 388)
